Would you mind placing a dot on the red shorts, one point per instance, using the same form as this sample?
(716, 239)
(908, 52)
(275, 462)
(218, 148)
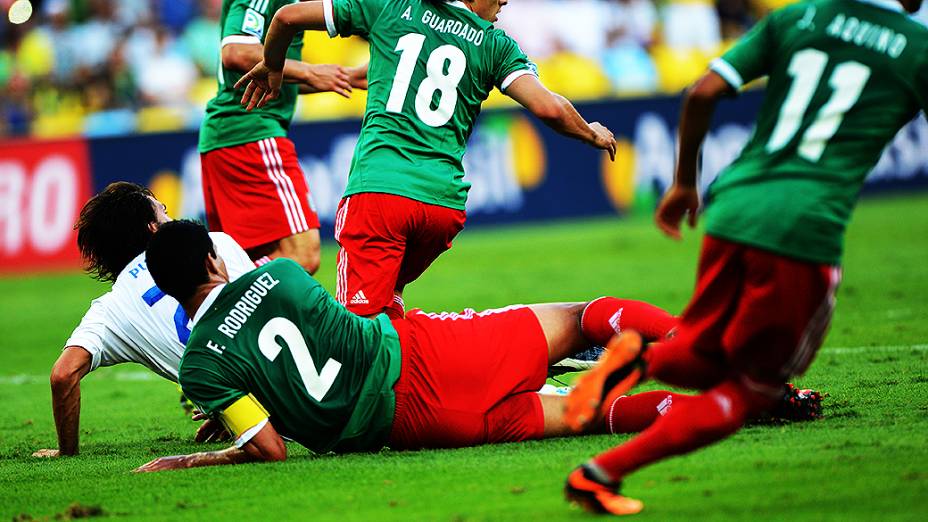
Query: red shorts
(470, 378)
(256, 192)
(387, 241)
(760, 315)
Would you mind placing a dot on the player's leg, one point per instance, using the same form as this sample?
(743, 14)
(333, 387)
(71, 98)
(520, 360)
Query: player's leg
(691, 358)
(259, 194)
(371, 230)
(780, 316)
(303, 246)
(570, 328)
(431, 234)
(627, 414)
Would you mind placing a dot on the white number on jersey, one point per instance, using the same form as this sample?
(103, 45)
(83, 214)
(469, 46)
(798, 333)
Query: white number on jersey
(317, 384)
(410, 46)
(806, 68)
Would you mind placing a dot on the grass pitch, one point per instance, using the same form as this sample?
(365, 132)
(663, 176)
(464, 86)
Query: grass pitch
(867, 460)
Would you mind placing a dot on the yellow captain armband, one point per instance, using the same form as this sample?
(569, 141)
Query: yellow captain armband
(244, 418)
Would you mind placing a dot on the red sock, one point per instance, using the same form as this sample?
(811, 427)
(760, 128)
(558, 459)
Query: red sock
(634, 413)
(697, 422)
(607, 316)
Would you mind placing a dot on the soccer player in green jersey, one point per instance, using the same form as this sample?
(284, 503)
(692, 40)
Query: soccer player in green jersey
(273, 354)
(432, 64)
(250, 168)
(843, 77)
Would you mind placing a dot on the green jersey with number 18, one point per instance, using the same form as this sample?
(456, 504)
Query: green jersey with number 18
(274, 345)
(432, 63)
(844, 77)
(227, 123)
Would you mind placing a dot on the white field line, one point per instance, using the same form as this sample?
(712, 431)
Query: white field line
(130, 376)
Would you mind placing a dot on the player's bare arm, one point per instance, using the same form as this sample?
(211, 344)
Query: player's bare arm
(265, 446)
(69, 369)
(311, 78)
(682, 199)
(265, 78)
(357, 76)
(559, 114)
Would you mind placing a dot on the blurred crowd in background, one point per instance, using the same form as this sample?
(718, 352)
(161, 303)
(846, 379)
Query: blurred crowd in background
(110, 67)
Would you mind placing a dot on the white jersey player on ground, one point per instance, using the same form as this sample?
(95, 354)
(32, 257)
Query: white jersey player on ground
(135, 322)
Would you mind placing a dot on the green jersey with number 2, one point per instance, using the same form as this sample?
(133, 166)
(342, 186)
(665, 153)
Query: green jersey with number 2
(227, 123)
(844, 77)
(323, 375)
(432, 64)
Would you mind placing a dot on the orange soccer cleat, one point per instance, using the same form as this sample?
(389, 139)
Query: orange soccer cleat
(617, 371)
(585, 490)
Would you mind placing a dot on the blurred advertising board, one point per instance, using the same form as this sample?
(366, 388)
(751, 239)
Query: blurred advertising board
(520, 170)
(42, 188)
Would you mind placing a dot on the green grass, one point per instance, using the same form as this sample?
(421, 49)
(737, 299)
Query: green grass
(868, 459)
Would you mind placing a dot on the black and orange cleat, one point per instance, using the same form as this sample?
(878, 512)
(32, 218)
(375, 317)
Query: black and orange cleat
(798, 405)
(617, 371)
(596, 496)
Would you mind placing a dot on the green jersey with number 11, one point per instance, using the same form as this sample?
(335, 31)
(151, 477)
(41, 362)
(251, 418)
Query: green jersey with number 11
(844, 77)
(432, 63)
(274, 345)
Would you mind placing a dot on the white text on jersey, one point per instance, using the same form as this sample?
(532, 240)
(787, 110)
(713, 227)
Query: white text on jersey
(247, 304)
(867, 35)
(455, 27)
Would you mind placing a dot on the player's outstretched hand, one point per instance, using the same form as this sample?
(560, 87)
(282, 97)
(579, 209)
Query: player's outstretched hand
(211, 431)
(47, 453)
(678, 202)
(603, 139)
(164, 463)
(327, 78)
(261, 86)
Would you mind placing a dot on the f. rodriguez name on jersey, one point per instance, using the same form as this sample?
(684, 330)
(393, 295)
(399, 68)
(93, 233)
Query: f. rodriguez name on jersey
(246, 305)
(456, 27)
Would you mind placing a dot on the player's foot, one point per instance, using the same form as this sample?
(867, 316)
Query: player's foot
(795, 406)
(616, 372)
(583, 488)
(578, 363)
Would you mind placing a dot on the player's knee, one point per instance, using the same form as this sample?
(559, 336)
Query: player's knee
(309, 256)
(310, 259)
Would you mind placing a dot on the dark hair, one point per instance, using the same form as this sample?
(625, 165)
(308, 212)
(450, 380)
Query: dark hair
(113, 228)
(176, 257)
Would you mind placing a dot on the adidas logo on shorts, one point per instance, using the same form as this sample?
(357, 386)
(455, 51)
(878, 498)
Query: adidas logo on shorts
(359, 298)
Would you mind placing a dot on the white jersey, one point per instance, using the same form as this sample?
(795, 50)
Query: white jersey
(137, 322)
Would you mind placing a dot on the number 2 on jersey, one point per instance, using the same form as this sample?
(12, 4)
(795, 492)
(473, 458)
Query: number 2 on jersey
(806, 68)
(410, 46)
(317, 384)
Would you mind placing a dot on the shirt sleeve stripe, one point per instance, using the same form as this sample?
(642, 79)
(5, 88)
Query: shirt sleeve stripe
(727, 72)
(239, 39)
(328, 11)
(513, 76)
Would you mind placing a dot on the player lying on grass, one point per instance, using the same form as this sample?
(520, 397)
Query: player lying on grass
(273, 355)
(134, 321)
(844, 77)
(432, 64)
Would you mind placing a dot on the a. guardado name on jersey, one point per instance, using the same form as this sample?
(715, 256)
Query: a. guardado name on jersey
(455, 27)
